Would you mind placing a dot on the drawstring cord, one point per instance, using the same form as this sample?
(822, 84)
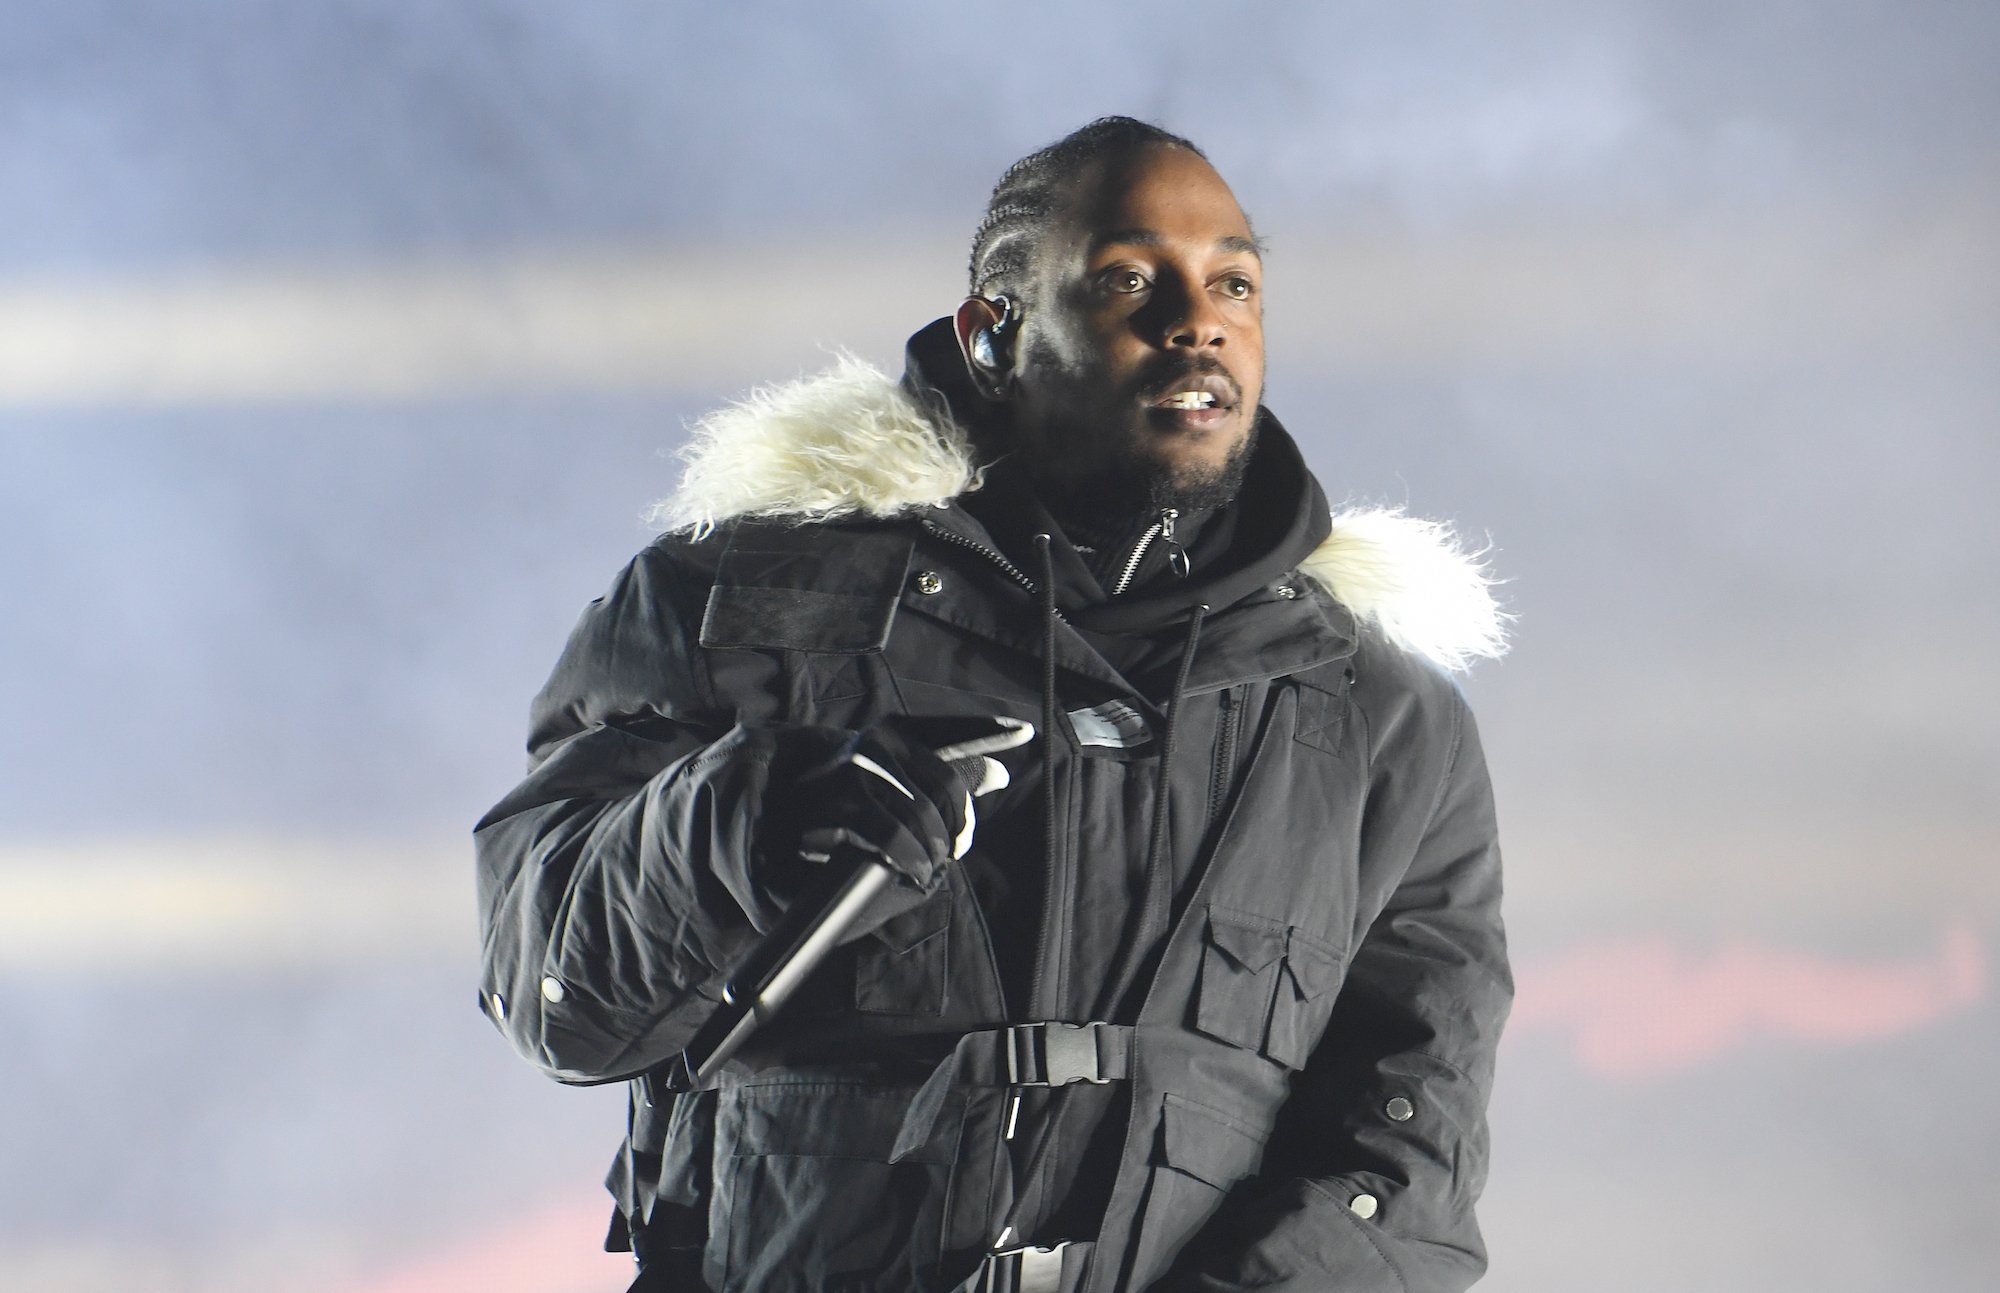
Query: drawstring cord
(1048, 599)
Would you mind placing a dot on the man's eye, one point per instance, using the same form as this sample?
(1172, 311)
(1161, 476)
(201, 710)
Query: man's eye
(1125, 280)
(1238, 289)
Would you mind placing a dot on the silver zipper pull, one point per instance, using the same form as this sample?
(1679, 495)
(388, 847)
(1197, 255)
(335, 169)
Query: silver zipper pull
(1177, 557)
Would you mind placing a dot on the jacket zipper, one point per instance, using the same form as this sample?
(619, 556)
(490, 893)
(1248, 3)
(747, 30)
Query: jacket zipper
(1161, 529)
(1049, 902)
(1011, 570)
(1227, 727)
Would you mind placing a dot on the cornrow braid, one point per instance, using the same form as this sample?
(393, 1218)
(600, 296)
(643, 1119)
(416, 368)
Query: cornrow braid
(1030, 194)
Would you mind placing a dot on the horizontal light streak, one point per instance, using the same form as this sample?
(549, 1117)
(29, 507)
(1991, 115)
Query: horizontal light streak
(1633, 1006)
(111, 907)
(1766, 287)
(1644, 1007)
(560, 1250)
(400, 332)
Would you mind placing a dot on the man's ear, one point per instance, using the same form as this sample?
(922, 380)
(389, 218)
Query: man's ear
(980, 326)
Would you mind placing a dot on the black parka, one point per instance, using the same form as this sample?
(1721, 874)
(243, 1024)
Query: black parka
(1290, 1022)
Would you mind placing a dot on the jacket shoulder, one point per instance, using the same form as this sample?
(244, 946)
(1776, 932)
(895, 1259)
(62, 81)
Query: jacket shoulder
(633, 650)
(1412, 707)
(692, 628)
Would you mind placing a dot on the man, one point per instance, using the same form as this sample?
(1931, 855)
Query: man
(1210, 1002)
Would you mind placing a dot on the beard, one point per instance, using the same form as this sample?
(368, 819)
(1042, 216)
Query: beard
(1081, 471)
(1123, 480)
(1198, 488)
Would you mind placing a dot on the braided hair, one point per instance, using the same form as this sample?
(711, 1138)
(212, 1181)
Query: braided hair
(1029, 196)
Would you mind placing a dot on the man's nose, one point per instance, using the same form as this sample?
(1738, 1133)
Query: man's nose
(1194, 322)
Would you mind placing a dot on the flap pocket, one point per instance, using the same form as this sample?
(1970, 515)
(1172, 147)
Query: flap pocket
(1312, 971)
(1251, 943)
(1208, 1144)
(1239, 978)
(921, 923)
(903, 967)
(689, 1149)
(1202, 1152)
(1265, 986)
(1314, 966)
(828, 1120)
(807, 1199)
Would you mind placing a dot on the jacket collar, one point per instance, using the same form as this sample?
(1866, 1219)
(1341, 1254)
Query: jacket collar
(852, 443)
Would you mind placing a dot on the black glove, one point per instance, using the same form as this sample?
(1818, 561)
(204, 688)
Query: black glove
(881, 791)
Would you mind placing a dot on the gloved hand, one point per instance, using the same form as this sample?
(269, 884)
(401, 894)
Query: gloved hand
(883, 792)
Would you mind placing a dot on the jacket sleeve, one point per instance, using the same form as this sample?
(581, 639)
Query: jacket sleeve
(1380, 1152)
(614, 882)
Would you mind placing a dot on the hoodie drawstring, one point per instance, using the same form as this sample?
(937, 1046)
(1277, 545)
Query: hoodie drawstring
(1044, 550)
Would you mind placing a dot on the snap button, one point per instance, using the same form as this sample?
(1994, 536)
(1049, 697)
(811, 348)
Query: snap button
(499, 1004)
(928, 582)
(1363, 1206)
(552, 989)
(1400, 1109)
(1286, 591)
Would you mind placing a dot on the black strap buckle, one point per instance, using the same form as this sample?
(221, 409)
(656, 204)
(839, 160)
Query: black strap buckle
(1022, 1270)
(1054, 1054)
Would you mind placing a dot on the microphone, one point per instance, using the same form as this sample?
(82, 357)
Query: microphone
(819, 918)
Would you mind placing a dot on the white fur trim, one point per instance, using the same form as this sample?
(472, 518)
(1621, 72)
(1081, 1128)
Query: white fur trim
(851, 441)
(847, 442)
(1411, 578)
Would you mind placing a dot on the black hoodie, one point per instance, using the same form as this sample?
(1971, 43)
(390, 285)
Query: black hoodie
(1276, 520)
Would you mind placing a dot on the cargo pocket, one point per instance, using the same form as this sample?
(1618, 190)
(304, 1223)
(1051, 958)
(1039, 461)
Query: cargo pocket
(901, 968)
(1265, 987)
(1239, 977)
(1305, 998)
(672, 1217)
(807, 1200)
(689, 1151)
(1200, 1154)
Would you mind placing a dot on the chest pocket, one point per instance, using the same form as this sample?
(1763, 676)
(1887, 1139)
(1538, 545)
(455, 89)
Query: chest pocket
(901, 968)
(1265, 986)
(790, 588)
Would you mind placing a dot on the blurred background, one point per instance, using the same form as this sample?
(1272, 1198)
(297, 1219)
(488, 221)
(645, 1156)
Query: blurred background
(342, 348)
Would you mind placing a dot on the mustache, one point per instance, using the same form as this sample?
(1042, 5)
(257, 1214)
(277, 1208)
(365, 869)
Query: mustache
(1164, 375)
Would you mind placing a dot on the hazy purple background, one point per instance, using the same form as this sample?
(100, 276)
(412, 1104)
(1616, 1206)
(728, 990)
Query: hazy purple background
(343, 346)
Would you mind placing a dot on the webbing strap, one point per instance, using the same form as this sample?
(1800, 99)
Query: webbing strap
(1056, 1054)
(1038, 1054)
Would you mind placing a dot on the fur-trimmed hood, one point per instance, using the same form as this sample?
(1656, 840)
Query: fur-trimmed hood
(853, 442)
